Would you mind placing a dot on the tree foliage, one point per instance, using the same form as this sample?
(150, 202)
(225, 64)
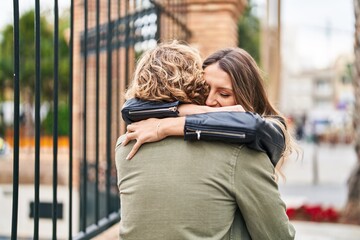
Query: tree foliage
(27, 56)
(249, 32)
(63, 119)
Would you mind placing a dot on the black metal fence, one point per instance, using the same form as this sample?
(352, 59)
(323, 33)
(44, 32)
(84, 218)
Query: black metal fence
(114, 33)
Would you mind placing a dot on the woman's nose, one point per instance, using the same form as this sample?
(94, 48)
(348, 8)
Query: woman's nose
(211, 100)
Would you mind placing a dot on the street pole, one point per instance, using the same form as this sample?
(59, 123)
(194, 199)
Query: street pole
(278, 52)
(315, 162)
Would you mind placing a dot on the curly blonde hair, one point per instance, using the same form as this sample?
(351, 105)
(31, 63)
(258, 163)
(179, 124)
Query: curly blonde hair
(169, 72)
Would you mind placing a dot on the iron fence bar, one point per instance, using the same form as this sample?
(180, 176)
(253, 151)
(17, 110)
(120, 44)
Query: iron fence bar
(173, 26)
(71, 116)
(15, 197)
(127, 32)
(84, 176)
(55, 127)
(117, 71)
(182, 11)
(176, 20)
(171, 16)
(133, 16)
(178, 15)
(185, 19)
(108, 112)
(97, 112)
(37, 118)
(158, 27)
(169, 22)
(177, 6)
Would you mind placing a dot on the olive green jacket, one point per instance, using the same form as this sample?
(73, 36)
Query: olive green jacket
(191, 190)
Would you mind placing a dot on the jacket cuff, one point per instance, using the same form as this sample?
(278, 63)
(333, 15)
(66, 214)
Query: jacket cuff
(135, 110)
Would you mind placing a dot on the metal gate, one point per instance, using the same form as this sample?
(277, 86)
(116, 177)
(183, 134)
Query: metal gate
(105, 38)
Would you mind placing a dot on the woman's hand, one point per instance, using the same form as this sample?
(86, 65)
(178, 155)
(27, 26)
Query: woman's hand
(143, 132)
(152, 130)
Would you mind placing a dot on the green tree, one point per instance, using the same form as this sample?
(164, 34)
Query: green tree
(27, 56)
(63, 117)
(249, 32)
(27, 64)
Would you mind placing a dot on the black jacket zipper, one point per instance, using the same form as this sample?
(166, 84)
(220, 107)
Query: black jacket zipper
(198, 133)
(171, 109)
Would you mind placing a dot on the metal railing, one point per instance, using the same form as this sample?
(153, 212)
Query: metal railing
(109, 43)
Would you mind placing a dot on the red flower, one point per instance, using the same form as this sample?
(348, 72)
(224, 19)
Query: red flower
(313, 213)
(291, 212)
(331, 215)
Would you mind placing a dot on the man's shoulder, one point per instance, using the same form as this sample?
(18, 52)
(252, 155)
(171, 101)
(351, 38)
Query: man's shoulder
(179, 143)
(248, 157)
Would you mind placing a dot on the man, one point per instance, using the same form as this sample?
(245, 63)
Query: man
(191, 190)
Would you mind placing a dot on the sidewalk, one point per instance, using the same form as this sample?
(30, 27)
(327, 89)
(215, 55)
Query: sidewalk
(304, 231)
(328, 189)
(325, 231)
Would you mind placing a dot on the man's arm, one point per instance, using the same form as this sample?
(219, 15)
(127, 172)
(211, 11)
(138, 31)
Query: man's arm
(258, 197)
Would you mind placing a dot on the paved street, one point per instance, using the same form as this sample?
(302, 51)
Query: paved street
(334, 165)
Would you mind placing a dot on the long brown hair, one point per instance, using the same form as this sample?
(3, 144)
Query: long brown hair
(246, 79)
(249, 90)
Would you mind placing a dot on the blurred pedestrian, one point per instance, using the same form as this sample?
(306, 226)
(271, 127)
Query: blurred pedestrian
(300, 127)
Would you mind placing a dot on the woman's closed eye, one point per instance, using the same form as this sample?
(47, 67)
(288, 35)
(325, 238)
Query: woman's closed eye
(224, 94)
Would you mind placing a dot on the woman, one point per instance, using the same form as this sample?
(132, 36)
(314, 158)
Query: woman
(235, 84)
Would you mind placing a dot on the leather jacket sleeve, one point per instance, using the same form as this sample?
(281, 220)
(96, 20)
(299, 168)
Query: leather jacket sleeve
(236, 127)
(135, 110)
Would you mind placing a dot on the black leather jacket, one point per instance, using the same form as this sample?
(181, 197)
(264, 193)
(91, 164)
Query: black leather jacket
(236, 127)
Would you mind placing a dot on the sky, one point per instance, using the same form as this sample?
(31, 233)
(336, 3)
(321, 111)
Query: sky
(325, 29)
(6, 8)
(318, 30)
